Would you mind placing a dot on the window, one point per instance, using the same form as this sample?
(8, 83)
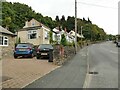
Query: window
(33, 23)
(32, 34)
(46, 35)
(3, 41)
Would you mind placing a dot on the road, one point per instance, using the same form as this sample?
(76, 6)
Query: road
(101, 58)
(71, 75)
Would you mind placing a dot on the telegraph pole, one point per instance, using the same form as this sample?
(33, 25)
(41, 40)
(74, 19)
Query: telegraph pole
(75, 26)
(81, 35)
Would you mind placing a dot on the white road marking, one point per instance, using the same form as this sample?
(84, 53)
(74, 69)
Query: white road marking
(85, 85)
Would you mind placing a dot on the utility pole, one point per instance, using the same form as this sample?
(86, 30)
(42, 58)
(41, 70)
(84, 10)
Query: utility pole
(81, 35)
(75, 26)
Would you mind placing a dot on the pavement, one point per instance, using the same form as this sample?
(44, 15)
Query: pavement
(71, 75)
(18, 73)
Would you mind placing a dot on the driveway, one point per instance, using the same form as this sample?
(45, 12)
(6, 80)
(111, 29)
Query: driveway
(17, 73)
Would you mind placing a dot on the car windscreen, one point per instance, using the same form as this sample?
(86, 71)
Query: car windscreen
(23, 45)
(45, 46)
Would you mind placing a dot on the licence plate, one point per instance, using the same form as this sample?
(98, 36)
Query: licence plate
(22, 49)
(43, 53)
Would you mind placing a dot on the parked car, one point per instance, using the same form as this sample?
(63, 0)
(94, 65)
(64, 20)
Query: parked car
(118, 44)
(43, 50)
(24, 50)
(115, 41)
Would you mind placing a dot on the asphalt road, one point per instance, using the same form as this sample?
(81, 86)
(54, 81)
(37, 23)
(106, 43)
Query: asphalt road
(71, 75)
(103, 59)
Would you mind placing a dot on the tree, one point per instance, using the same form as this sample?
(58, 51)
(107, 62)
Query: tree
(89, 21)
(63, 40)
(57, 18)
(63, 22)
(51, 37)
(70, 23)
(7, 22)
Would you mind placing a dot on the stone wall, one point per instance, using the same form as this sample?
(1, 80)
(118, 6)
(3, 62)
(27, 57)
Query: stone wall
(62, 54)
(0, 52)
(7, 51)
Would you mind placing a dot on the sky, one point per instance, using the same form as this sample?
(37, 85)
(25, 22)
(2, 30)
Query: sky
(103, 13)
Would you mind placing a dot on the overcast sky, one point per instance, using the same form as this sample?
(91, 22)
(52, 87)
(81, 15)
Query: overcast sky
(104, 13)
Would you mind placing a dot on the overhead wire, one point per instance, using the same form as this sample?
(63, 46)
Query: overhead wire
(96, 5)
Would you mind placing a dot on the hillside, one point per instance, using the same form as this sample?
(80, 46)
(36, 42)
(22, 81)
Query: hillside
(14, 16)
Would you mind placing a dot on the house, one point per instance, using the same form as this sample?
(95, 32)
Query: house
(73, 34)
(57, 34)
(70, 37)
(34, 32)
(7, 42)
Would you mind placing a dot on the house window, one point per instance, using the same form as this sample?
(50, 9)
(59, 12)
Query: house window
(32, 34)
(46, 35)
(3, 41)
(58, 37)
(33, 23)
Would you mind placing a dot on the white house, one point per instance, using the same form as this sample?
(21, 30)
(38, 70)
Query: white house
(69, 36)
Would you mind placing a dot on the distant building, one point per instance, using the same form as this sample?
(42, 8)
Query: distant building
(34, 32)
(69, 36)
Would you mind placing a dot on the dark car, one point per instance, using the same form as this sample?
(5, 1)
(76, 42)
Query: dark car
(43, 50)
(118, 44)
(24, 50)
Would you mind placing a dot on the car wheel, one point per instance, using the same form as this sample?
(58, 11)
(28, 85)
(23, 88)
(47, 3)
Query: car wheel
(31, 56)
(15, 56)
(38, 57)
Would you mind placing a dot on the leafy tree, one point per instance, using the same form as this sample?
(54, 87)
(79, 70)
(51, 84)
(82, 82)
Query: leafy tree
(7, 22)
(51, 37)
(70, 23)
(63, 40)
(63, 22)
(57, 18)
(89, 20)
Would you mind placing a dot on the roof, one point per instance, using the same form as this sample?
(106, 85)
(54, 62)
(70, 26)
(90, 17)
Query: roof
(30, 28)
(57, 31)
(73, 34)
(33, 28)
(5, 31)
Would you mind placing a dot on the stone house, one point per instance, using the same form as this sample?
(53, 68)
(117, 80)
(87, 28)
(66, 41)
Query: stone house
(34, 32)
(7, 42)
